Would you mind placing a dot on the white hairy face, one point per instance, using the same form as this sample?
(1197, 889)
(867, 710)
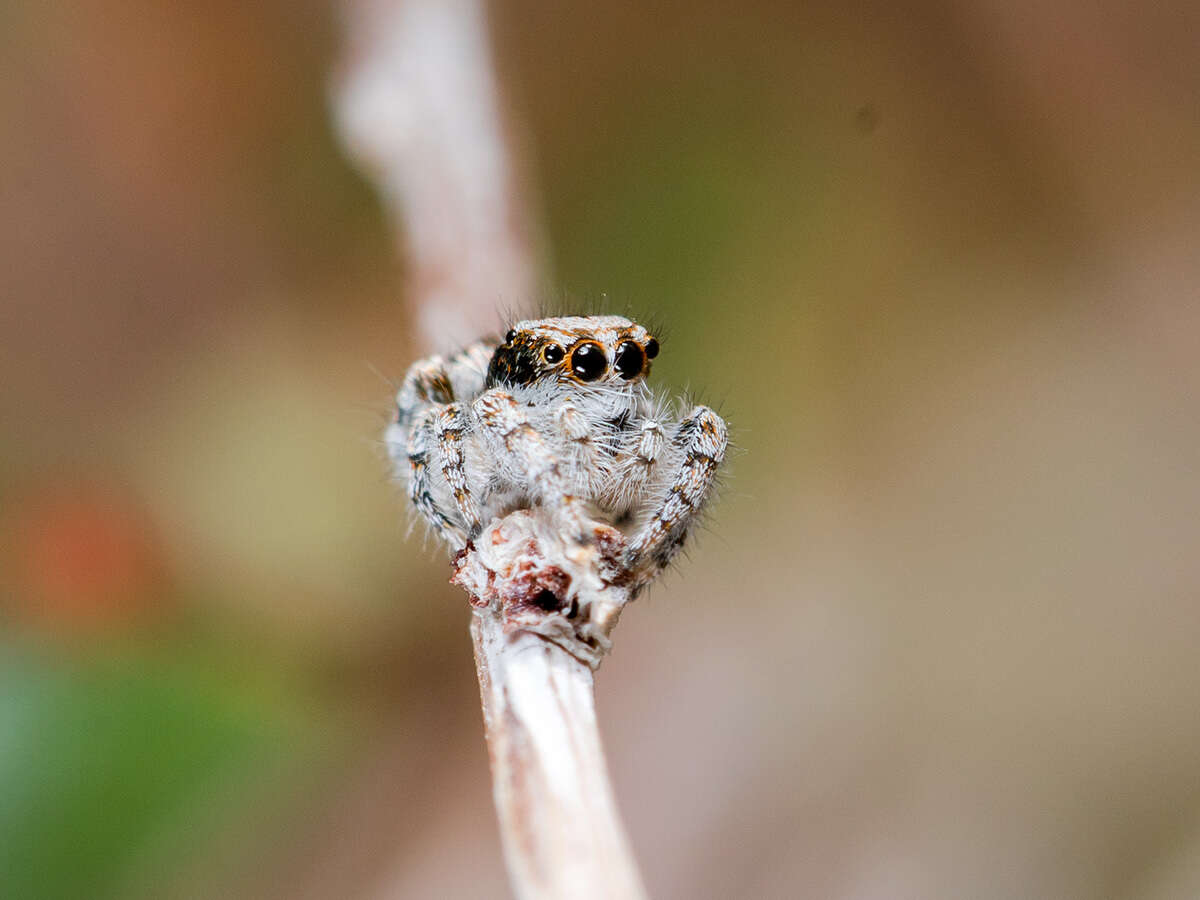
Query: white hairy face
(572, 351)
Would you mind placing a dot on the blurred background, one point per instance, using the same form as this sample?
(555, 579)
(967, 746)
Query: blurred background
(937, 264)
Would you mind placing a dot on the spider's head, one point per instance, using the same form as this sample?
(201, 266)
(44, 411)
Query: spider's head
(572, 351)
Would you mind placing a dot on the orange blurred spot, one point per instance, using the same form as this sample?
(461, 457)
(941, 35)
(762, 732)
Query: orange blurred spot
(85, 557)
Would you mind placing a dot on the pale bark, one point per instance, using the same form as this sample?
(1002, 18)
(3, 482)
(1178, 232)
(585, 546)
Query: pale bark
(562, 835)
(417, 106)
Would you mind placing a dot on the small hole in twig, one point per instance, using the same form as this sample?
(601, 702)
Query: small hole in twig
(545, 599)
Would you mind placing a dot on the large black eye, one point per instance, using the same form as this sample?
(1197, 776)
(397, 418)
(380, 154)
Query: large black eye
(553, 354)
(651, 348)
(588, 362)
(630, 360)
(511, 336)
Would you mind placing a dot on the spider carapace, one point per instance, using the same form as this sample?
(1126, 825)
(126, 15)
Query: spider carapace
(557, 415)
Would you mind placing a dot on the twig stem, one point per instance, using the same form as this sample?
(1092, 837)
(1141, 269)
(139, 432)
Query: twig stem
(416, 104)
(558, 820)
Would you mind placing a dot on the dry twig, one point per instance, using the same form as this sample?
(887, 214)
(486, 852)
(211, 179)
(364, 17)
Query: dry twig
(417, 107)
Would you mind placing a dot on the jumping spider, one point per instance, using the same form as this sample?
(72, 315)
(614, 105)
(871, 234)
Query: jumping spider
(557, 415)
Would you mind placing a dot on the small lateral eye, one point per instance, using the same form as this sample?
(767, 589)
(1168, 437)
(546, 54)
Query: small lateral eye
(651, 348)
(553, 354)
(511, 336)
(630, 360)
(588, 362)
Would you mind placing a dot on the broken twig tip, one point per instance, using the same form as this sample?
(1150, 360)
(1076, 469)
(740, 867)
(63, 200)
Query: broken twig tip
(521, 571)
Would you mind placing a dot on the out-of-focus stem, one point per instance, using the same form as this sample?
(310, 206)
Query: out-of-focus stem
(416, 105)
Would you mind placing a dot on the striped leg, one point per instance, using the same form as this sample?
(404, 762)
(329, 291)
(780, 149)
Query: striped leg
(467, 369)
(641, 465)
(583, 450)
(431, 428)
(425, 383)
(528, 458)
(702, 439)
(436, 379)
(450, 429)
(422, 442)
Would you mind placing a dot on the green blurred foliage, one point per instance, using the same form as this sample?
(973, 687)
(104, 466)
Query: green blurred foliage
(115, 767)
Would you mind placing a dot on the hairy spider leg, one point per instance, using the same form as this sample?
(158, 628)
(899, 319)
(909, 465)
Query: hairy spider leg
(702, 438)
(426, 383)
(422, 441)
(436, 426)
(528, 456)
(450, 428)
(439, 380)
(639, 468)
(584, 448)
(467, 369)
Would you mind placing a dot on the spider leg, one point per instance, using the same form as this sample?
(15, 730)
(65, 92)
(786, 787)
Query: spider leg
(702, 438)
(422, 442)
(412, 441)
(430, 429)
(641, 465)
(450, 430)
(437, 379)
(467, 369)
(583, 451)
(426, 382)
(528, 457)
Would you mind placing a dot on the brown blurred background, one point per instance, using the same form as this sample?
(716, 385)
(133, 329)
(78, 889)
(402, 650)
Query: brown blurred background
(938, 265)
